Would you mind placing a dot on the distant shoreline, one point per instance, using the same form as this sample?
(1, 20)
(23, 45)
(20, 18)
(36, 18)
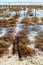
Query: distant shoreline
(21, 3)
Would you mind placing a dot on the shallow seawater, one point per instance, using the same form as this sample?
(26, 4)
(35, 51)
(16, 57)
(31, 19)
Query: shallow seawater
(39, 13)
(13, 60)
(19, 26)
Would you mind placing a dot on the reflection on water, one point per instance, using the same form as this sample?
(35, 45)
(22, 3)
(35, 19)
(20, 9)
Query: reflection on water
(6, 18)
(19, 26)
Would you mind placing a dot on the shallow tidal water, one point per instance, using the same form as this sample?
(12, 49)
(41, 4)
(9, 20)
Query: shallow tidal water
(19, 26)
(38, 58)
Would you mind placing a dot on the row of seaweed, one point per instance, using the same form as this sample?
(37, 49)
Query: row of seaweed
(20, 44)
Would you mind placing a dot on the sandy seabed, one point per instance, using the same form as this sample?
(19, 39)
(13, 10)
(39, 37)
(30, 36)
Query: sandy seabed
(14, 60)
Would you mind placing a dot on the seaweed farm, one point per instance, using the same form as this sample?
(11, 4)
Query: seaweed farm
(21, 34)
